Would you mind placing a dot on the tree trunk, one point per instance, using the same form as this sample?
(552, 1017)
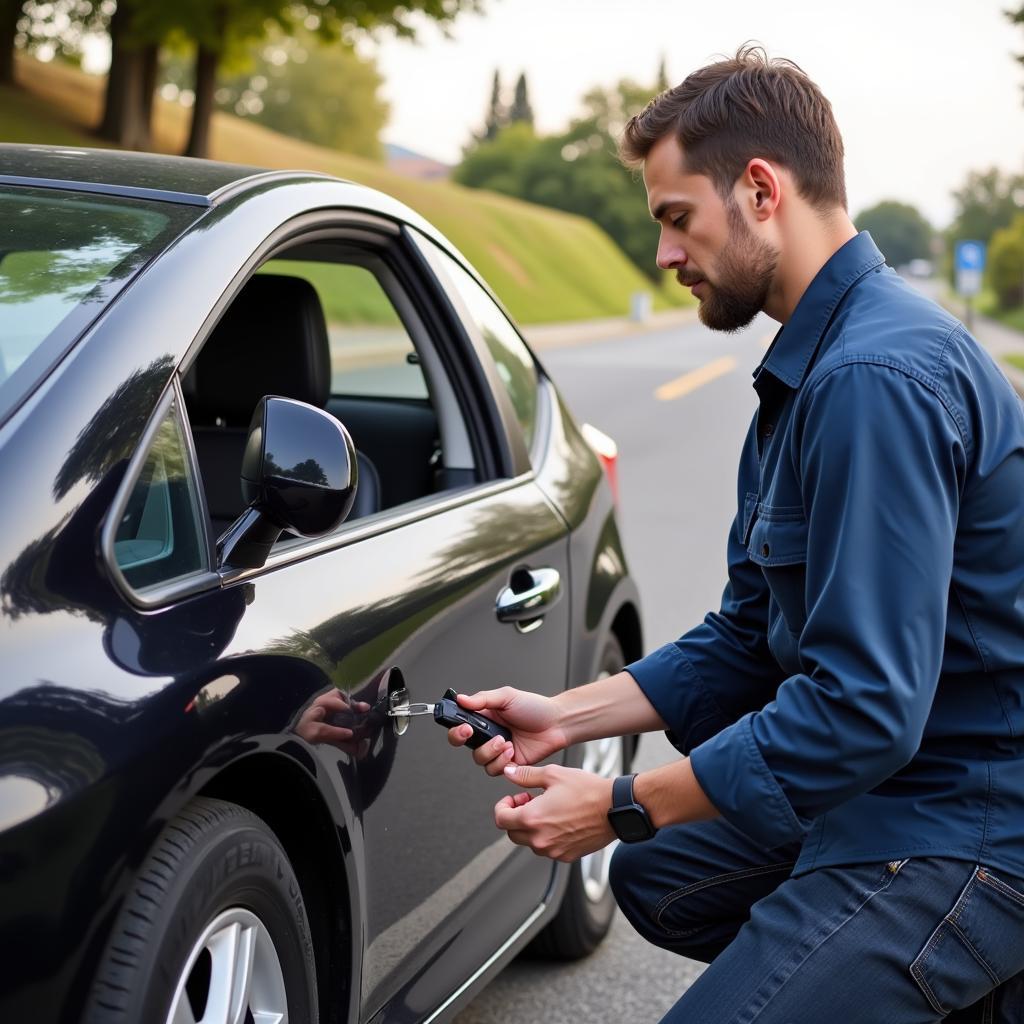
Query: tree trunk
(205, 81)
(150, 71)
(124, 121)
(10, 12)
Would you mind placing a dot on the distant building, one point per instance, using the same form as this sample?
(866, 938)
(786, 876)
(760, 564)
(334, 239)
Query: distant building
(415, 165)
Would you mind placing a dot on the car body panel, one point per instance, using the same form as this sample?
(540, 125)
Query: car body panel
(94, 684)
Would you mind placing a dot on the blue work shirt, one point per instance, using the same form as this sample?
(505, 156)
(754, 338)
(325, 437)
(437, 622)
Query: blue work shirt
(862, 686)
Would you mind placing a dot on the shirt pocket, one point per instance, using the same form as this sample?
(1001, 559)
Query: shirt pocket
(977, 945)
(778, 544)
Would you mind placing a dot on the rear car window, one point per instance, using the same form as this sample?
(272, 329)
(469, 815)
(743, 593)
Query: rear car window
(63, 256)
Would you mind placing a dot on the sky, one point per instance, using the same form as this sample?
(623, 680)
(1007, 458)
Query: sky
(923, 90)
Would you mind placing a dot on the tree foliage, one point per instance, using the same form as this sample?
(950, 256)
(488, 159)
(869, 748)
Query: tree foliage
(899, 230)
(987, 201)
(216, 31)
(577, 170)
(1017, 18)
(309, 89)
(521, 112)
(1005, 266)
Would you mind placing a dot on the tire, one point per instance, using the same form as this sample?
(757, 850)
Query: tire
(216, 884)
(588, 907)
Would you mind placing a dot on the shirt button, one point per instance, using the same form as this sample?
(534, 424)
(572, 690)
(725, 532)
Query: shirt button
(768, 429)
(765, 550)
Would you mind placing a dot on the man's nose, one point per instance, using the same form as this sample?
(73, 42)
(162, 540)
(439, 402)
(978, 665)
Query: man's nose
(670, 256)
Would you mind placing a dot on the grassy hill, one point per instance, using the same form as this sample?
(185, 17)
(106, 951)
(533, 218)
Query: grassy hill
(545, 265)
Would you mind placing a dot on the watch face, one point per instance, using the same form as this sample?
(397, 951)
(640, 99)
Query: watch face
(630, 824)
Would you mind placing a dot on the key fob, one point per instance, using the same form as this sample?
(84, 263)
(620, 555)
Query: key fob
(448, 713)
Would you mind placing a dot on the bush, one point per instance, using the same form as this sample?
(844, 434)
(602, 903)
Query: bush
(1005, 270)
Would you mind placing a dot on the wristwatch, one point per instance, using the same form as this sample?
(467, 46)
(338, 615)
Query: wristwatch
(627, 817)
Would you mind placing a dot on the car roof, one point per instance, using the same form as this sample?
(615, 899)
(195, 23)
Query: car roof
(141, 175)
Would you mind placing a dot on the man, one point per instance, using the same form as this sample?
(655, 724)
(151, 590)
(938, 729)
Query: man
(843, 839)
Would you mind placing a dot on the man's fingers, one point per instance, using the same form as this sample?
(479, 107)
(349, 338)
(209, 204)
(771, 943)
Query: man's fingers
(528, 776)
(458, 735)
(508, 811)
(493, 699)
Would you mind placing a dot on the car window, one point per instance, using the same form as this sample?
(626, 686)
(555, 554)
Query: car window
(159, 537)
(338, 333)
(371, 352)
(515, 365)
(63, 256)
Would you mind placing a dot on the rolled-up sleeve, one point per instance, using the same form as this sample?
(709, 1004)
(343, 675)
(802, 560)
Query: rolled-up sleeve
(705, 680)
(881, 462)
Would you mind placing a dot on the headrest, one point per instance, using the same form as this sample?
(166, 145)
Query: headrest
(272, 340)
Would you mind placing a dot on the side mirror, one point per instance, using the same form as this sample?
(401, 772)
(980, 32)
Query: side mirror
(299, 473)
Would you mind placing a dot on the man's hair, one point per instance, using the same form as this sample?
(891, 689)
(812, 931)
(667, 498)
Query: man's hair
(748, 106)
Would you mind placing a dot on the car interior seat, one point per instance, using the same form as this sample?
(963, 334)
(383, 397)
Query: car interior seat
(272, 340)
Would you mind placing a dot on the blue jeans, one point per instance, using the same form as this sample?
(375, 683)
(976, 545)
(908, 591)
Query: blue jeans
(905, 942)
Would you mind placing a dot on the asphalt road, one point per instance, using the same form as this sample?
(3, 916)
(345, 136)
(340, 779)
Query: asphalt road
(677, 472)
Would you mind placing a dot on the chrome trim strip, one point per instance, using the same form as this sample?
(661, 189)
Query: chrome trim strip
(123, 191)
(232, 188)
(155, 596)
(498, 953)
(344, 536)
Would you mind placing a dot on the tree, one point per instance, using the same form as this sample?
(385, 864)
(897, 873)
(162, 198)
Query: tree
(1005, 267)
(496, 115)
(10, 13)
(898, 229)
(577, 170)
(1017, 18)
(521, 112)
(303, 87)
(131, 80)
(661, 84)
(987, 201)
(218, 26)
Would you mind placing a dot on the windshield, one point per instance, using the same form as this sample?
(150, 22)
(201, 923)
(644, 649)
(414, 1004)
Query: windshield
(63, 256)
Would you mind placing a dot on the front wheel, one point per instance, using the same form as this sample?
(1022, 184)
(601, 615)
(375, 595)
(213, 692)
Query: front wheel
(588, 906)
(212, 931)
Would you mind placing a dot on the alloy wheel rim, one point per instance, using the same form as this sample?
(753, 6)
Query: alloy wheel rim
(232, 975)
(600, 757)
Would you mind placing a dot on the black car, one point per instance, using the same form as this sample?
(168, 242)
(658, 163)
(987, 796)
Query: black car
(275, 463)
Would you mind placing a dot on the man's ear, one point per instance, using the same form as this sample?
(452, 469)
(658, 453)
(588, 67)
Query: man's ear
(760, 188)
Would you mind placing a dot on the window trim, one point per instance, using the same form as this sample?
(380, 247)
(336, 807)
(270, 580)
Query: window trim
(513, 432)
(372, 526)
(202, 579)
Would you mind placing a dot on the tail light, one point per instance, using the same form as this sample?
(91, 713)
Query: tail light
(608, 452)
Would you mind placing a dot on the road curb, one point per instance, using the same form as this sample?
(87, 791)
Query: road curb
(583, 332)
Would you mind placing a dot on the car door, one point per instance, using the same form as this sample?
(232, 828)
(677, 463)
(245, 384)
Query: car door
(406, 598)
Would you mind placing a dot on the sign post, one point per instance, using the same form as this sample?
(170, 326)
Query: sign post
(969, 262)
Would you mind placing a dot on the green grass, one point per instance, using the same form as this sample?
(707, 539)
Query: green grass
(26, 118)
(545, 265)
(1014, 359)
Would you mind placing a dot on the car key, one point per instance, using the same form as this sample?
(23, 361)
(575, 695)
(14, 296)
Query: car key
(447, 712)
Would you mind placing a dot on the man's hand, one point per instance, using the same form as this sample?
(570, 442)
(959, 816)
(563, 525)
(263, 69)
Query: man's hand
(565, 822)
(317, 723)
(536, 729)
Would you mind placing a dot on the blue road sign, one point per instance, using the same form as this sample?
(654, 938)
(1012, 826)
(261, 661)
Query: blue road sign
(970, 256)
(969, 262)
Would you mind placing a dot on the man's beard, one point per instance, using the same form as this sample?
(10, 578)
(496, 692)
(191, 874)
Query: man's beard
(744, 275)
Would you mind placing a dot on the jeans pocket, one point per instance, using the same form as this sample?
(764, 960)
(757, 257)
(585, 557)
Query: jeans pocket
(976, 946)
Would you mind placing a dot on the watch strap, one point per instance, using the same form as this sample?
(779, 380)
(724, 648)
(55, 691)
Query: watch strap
(622, 791)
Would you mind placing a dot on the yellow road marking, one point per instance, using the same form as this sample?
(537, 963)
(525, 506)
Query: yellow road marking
(694, 379)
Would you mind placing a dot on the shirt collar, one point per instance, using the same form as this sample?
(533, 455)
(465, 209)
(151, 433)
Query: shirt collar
(797, 340)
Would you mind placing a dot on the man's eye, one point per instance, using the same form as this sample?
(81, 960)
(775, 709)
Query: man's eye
(680, 220)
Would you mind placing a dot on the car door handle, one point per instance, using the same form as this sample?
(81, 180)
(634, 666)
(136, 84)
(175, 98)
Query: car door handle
(530, 595)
